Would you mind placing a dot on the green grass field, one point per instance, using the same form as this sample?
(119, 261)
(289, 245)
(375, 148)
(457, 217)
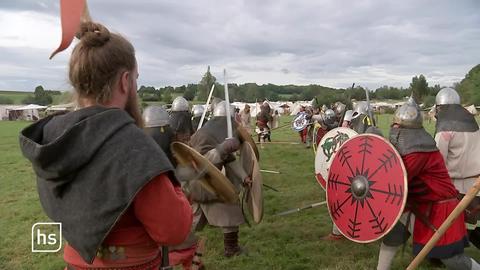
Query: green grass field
(288, 242)
(16, 96)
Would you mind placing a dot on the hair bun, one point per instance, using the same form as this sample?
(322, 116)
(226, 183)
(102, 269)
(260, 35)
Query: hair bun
(93, 34)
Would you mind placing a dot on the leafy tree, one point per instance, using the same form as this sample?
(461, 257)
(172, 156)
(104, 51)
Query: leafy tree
(294, 97)
(419, 88)
(469, 87)
(189, 94)
(167, 96)
(205, 84)
(40, 97)
(428, 101)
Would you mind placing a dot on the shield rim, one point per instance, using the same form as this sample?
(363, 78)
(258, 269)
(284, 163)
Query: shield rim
(257, 180)
(319, 181)
(402, 208)
(216, 183)
(246, 137)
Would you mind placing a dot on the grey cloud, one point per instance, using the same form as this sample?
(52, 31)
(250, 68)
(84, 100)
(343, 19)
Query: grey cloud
(318, 41)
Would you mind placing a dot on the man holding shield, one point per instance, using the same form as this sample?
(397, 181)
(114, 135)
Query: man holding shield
(431, 196)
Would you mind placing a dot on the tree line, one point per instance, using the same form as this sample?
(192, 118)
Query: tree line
(251, 92)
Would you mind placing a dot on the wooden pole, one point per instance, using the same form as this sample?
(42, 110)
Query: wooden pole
(472, 192)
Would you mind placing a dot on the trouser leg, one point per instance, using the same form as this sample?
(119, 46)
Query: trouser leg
(460, 262)
(335, 230)
(392, 242)
(386, 256)
(474, 237)
(230, 241)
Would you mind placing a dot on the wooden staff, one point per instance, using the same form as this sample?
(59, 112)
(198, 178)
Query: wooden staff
(472, 192)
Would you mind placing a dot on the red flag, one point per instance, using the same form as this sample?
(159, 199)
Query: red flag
(72, 13)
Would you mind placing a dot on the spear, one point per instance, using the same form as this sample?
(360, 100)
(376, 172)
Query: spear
(206, 107)
(301, 208)
(227, 109)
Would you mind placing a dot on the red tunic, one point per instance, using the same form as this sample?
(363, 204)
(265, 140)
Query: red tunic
(431, 192)
(159, 215)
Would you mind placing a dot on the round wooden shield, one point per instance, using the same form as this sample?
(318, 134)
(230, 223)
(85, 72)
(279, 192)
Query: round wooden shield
(366, 188)
(318, 133)
(326, 150)
(213, 180)
(255, 192)
(300, 122)
(246, 137)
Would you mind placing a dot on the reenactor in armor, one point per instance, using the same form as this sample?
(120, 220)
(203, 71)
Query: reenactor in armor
(181, 120)
(360, 119)
(212, 142)
(458, 139)
(197, 112)
(431, 196)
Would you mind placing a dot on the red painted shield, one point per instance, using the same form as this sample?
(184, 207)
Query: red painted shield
(367, 188)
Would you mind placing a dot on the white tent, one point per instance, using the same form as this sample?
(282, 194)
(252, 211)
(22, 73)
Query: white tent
(28, 112)
(61, 107)
(295, 108)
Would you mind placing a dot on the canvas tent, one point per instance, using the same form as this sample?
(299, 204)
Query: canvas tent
(61, 108)
(25, 112)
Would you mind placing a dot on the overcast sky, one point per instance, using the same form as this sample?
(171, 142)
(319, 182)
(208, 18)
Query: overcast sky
(330, 42)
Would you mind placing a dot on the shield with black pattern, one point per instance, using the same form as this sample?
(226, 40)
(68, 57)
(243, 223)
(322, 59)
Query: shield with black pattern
(366, 188)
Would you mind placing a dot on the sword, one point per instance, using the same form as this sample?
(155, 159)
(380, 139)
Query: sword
(227, 109)
(206, 107)
(367, 95)
(301, 208)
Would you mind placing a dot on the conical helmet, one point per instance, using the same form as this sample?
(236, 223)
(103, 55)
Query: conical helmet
(447, 96)
(409, 115)
(155, 116)
(179, 104)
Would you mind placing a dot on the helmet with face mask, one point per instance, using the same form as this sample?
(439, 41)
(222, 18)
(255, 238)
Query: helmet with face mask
(329, 117)
(360, 108)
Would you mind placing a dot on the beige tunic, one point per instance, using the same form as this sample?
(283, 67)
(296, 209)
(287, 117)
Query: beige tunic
(245, 121)
(461, 152)
(224, 214)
